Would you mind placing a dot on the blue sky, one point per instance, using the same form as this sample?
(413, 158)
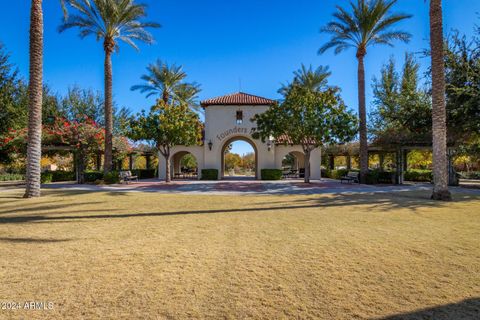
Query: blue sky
(257, 43)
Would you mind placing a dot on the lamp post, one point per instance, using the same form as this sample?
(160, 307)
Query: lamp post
(270, 143)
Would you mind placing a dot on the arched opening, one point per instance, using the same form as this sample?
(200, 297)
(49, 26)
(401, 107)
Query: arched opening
(184, 166)
(293, 165)
(239, 159)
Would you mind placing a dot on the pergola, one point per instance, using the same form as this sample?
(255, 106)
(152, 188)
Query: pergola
(148, 154)
(398, 149)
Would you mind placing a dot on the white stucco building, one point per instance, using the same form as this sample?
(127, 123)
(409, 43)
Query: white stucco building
(228, 119)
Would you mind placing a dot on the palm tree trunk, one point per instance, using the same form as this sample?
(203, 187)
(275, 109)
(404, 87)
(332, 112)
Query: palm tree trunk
(34, 143)
(363, 120)
(439, 127)
(107, 166)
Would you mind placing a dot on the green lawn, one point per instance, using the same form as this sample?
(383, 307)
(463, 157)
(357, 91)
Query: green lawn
(153, 256)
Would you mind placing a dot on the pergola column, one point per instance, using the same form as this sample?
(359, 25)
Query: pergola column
(130, 162)
(399, 164)
(381, 157)
(405, 160)
(452, 175)
(331, 162)
(148, 160)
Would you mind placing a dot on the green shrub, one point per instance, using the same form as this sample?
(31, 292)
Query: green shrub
(418, 175)
(11, 177)
(336, 174)
(209, 174)
(372, 177)
(271, 174)
(145, 173)
(92, 176)
(474, 175)
(111, 177)
(386, 177)
(61, 175)
(325, 173)
(46, 177)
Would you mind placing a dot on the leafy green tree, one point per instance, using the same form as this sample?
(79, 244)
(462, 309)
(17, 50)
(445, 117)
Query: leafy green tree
(400, 103)
(462, 75)
(167, 125)
(308, 118)
(167, 82)
(369, 23)
(188, 161)
(111, 21)
(232, 160)
(12, 114)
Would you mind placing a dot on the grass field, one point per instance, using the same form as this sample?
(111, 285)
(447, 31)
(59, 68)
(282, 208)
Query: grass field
(165, 256)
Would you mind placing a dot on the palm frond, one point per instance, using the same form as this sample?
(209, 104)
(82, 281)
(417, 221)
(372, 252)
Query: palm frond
(110, 20)
(366, 23)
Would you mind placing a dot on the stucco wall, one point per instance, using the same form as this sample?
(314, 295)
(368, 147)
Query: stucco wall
(221, 128)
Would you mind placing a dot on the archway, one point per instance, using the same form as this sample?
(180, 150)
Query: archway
(184, 166)
(242, 161)
(293, 165)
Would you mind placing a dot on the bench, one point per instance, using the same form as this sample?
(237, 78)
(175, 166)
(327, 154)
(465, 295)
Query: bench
(127, 176)
(350, 177)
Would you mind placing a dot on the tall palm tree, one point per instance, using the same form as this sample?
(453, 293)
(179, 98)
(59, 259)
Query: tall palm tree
(307, 77)
(368, 24)
(110, 21)
(439, 126)
(167, 82)
(35, 91)
(35, 99)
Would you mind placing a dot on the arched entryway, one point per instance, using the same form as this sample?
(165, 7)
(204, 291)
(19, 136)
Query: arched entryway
(246, 169)
(293, 165)
(184, 165)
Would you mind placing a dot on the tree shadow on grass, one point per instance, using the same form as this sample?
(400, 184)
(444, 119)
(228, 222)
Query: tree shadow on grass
(32, 240)
(380, 202)
(20, 207)
(468, 309)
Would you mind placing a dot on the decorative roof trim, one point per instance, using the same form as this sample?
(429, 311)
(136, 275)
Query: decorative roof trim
(236, 99)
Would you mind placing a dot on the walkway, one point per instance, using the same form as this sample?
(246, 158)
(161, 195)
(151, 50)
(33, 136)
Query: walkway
(255, 187)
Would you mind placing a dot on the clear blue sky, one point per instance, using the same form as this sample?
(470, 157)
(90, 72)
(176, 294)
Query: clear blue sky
(220, 43)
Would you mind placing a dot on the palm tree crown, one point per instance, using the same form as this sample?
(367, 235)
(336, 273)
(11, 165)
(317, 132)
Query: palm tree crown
(313, 80)
(167, 81)
(110, 20)
(367, 24)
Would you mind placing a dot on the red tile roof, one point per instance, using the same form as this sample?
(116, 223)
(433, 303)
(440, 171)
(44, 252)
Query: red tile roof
(285, 139)
(236, 99)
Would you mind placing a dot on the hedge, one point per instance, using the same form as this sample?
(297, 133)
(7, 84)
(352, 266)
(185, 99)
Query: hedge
(474, 175)
(92, 176)
(61, 175)
(209, 174)
(336, 174)
(271, 174)
(11, 177)
(111, 177)
(46, 177)
(145, 173)
(418, 175)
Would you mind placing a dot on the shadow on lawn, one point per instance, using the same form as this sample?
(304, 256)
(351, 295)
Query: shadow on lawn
(32, 240)
(379, 202)
(468, 309)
